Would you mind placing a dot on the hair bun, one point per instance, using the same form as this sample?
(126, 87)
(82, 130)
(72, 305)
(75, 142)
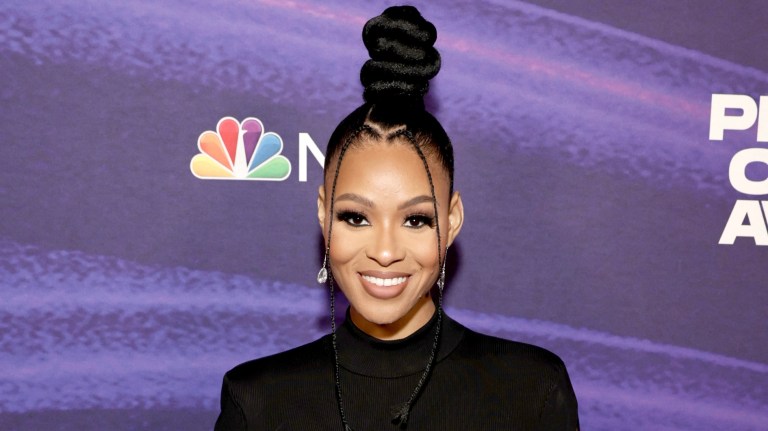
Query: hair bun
(403, 59)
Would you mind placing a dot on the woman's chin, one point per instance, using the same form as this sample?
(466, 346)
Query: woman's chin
(377, 315)
(392, 320)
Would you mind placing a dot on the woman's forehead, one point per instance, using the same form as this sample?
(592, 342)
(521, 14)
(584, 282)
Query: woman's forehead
(389, 171)
(396, 157)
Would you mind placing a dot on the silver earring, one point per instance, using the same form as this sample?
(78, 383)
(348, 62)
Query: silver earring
(322, 275)
(441, 279)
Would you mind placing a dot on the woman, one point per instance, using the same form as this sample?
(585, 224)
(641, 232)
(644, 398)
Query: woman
(389, 213)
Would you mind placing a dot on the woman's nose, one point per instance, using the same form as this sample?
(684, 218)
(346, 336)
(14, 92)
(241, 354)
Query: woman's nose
(386, 248)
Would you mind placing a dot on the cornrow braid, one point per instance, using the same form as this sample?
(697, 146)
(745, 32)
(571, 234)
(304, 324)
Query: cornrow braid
(339, 400)
(401, 414)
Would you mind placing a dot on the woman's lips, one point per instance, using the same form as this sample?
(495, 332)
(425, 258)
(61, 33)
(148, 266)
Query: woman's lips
(383, 285)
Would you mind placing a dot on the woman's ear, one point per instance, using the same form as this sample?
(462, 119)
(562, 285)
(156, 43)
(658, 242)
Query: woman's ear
(321, 208)
(455, 217)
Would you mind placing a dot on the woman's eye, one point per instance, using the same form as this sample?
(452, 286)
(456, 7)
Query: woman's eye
(353, 219)
(417, 221)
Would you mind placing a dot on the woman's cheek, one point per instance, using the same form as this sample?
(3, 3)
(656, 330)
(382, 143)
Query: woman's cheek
(340, 252)
(424, 251)
(345, 248)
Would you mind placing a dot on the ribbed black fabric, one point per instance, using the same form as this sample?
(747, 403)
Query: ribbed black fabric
(479, 383)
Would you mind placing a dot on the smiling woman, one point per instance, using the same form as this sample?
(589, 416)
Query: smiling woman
(385, 256)
(388, 213)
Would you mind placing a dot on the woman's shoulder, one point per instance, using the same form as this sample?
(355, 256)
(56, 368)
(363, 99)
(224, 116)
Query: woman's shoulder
(308, 358)
(515, 356)
(261, 393)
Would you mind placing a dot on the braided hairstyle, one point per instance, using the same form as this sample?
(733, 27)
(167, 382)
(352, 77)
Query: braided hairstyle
(396, 79)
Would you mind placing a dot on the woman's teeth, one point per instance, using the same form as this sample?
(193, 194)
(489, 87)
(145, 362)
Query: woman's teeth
(385, 281)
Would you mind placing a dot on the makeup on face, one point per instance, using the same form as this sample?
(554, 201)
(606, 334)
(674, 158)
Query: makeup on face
(384, 252)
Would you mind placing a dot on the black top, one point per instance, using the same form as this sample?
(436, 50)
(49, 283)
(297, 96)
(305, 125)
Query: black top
(478, 383)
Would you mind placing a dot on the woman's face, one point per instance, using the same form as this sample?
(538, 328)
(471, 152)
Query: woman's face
(384, 252)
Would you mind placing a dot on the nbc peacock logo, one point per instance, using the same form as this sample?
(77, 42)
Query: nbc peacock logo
(240, 151)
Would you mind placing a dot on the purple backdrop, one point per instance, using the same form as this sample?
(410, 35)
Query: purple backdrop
(595, 201)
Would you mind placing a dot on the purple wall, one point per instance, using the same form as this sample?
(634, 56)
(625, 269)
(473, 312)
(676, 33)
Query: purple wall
(594, 197)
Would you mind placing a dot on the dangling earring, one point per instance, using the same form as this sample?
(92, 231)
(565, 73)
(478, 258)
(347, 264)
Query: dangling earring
(322, 275)
(441, 279)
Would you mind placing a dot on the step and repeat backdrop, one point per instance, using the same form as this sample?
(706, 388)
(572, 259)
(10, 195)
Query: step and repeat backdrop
(614, 184)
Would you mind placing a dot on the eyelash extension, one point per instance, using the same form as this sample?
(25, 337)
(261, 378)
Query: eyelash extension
(346, 216)
(423, 218)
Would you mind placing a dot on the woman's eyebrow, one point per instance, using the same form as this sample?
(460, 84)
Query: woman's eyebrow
(415, 201)
(369, 203)
(356, 198)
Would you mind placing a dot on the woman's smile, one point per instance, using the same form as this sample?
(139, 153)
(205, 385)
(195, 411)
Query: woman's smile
(383, 285)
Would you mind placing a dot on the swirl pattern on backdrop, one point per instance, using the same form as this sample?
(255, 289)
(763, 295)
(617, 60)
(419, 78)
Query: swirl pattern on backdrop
(594, 204)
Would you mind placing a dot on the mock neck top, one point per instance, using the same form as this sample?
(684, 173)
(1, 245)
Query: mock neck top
(363, 354)
(478, 383)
